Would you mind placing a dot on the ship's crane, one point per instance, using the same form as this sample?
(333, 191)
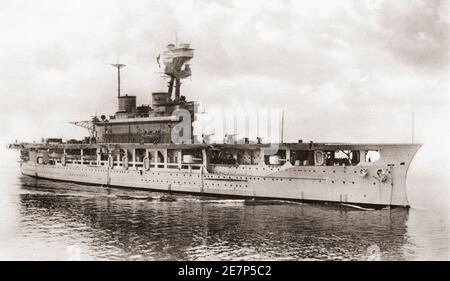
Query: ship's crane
(89, 125)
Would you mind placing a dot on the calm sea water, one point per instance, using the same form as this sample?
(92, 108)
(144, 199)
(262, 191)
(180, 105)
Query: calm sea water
(45, 220)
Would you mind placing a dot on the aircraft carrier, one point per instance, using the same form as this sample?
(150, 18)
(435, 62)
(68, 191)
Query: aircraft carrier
(154, 147)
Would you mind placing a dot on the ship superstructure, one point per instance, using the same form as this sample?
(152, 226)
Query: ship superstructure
(153, 147)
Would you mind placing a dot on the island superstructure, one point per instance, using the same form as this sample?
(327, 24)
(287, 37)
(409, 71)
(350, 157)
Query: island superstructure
(154, 147)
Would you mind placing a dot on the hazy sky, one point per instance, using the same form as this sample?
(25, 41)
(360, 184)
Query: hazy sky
(342, 70)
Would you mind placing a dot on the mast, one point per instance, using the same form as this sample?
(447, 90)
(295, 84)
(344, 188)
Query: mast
(176, 60)
(412, 127)
(282, 125)
(177, 89)
(118, 66)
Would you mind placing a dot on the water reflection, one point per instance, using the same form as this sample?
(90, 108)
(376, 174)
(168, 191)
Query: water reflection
(123, 224)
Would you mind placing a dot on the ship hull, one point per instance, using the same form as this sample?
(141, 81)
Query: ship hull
(226, 195)
(339, 184)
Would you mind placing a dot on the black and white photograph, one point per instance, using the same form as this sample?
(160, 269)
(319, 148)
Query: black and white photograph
(224, 131)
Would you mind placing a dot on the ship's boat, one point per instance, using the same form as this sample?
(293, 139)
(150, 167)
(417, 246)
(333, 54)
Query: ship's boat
(153, 147)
